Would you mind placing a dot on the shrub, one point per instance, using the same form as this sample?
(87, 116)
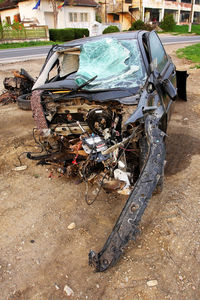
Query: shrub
(62, 35)
(80, 32)
(98, 18)
(1, 31)
(67, 34)
(138, 25)
(111, 29)
(17, 26)
(168, 23)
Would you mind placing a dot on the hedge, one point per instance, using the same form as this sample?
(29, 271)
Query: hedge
(81, 32)
(67, 34)
(111, 29)
(138, 25)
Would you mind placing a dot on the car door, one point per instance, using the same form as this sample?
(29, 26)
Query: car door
(160, 61)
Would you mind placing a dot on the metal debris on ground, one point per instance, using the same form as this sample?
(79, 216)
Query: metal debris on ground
(21, 83)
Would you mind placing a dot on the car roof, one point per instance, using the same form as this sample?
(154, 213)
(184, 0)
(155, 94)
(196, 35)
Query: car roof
(117, 35)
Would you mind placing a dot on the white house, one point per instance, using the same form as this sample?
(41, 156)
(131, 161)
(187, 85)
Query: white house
(73, 13)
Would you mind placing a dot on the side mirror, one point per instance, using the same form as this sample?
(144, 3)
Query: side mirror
(170, 90)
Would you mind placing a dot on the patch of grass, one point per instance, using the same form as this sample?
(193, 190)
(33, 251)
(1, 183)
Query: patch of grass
(190, 52)
(27, 44)
(195, 67)
(183, 29)
(36, 175)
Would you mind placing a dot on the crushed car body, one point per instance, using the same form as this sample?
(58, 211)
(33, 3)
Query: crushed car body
(102, 106)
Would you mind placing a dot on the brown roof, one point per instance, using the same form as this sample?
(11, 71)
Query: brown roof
(80, 3)
(6, 4)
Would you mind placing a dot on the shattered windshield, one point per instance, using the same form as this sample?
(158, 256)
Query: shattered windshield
(117, 64)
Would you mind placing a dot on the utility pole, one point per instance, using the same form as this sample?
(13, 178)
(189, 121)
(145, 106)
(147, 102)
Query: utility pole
(141, 10)
(191, 16)
(105, 12)
(122, 11)
(55, 12)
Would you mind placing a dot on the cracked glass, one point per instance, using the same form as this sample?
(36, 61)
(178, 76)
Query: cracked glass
(117, 64)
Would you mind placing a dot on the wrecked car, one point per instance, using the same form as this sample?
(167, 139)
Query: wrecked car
(102, 106)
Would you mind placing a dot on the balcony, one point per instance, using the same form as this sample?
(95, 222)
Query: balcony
(119, 7)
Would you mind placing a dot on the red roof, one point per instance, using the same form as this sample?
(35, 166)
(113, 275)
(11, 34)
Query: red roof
(80, 3)
(6, 4)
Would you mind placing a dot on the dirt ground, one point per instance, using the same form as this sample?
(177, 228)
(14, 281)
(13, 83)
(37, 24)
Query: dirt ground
(40, 255)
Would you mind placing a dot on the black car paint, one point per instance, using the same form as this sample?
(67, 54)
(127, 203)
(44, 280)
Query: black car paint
(154, 117)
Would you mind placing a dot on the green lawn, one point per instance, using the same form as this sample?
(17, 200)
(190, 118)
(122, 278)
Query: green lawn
(27, 44)
(190, 52)
(183, 29)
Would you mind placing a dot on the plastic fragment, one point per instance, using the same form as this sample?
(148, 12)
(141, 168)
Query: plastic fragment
(151, 283)
(68, 290)
(71, 226)
(21, 168)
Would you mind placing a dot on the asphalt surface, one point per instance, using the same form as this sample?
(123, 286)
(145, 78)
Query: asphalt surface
(21, 54)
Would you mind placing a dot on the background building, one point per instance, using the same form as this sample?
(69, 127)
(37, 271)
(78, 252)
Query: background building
(73, 14)
(126, 12)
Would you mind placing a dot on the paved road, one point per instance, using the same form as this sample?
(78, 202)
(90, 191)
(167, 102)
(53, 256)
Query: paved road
(19, 54)
(167, 40)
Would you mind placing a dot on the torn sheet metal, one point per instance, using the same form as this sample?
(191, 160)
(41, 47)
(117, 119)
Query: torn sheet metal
(126, 226)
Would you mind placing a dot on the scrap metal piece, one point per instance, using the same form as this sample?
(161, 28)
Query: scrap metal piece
(126, 225)
(113, 185)
(7, 97)
(20, 84)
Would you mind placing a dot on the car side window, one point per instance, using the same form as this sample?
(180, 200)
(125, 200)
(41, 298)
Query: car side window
(158, 54)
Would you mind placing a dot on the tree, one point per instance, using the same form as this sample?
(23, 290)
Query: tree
(55, 12)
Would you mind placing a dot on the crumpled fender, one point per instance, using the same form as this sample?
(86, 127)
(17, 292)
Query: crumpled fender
(126, 225)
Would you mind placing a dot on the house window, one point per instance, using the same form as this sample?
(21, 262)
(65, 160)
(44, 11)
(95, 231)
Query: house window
(196, 17)
(73, 17)
(184, 16)
(115, 17)
(84, 17)
(8, 21)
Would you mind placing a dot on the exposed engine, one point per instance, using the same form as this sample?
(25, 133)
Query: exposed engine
(88, 139)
